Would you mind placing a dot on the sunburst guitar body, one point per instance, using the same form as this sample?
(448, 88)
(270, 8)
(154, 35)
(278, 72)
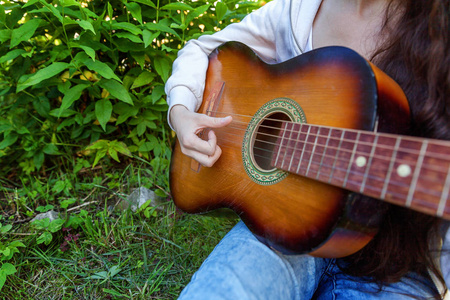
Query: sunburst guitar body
(313, 140)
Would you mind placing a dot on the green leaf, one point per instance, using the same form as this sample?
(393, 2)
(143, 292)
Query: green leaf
(46, 208)
(110, 11)
(116, 90)
(146, 2)
(221, 10)
(148, 37)
(24, 32)
(88, 50)
(16, 244)
(2, 14)
(46, 238)
(56, 225)
(66, 203)
(128, 27)
(114, 271)
(127, 35)
(144, 78)
(53, 10)
(135, 10)
(99, 145)
(120, 147)
(9, 140)
(38, 159)
(99, 275)
(42, 74)
(146, 147)
(5, 35)
(197, 12)
(71, 95)
(41, 224)
(101, 68)
(157, 93)
(6, 252)
(125, 111)
(59, 186)
(11, 55)
(31, 2)
(177, 6)
(2, 278)
(161, 27)
(103, 111)
(113, 154)
(51, 149)
(9, 268)
(66, 113)
(139, 57)
(42, 106)
(86, 25)
(99, 155)
(67, 3)
(162, 66)
(5, 228)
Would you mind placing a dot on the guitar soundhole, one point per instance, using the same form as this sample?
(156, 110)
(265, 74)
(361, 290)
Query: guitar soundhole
(265, 139)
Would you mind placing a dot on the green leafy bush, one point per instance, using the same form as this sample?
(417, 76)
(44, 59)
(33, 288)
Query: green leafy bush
(87, 77)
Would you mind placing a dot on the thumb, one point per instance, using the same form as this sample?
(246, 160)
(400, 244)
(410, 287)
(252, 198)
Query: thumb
(213, 122)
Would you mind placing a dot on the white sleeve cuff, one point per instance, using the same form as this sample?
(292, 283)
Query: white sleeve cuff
(181, 95)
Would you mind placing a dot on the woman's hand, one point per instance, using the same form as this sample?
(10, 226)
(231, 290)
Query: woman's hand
(187, 125)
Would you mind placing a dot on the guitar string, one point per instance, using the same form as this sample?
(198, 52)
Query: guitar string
(382, 134)
(355, 172)
(430, 154)
(439, 155)
(345, 161)
(392, 192)
(422, 195)
(431, 167)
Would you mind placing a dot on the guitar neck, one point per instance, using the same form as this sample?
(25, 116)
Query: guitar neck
(402, 170)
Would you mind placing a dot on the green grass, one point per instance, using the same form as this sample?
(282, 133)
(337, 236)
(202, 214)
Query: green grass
(106, 253)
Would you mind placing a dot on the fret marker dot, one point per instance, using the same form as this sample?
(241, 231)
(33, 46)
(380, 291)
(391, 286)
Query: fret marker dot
(404, 170)
(361, 161)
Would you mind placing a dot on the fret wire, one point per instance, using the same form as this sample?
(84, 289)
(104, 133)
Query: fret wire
(295, 145)
(312, 151)
(391, 167)
(444, 196)
(281, 143)
(369, 164)
(417, 170)
(323, 154)
(351, 159)
(336, 156)
(304, 146)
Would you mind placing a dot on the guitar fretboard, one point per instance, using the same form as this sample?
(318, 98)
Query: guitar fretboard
(403, 170)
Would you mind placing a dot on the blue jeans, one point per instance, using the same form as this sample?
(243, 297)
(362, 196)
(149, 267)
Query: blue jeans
(241, 267)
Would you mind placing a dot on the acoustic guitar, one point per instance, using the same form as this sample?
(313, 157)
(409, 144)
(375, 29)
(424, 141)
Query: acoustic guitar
(313, 140)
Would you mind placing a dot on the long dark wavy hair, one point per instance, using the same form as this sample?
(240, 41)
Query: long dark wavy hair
(415, 52)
